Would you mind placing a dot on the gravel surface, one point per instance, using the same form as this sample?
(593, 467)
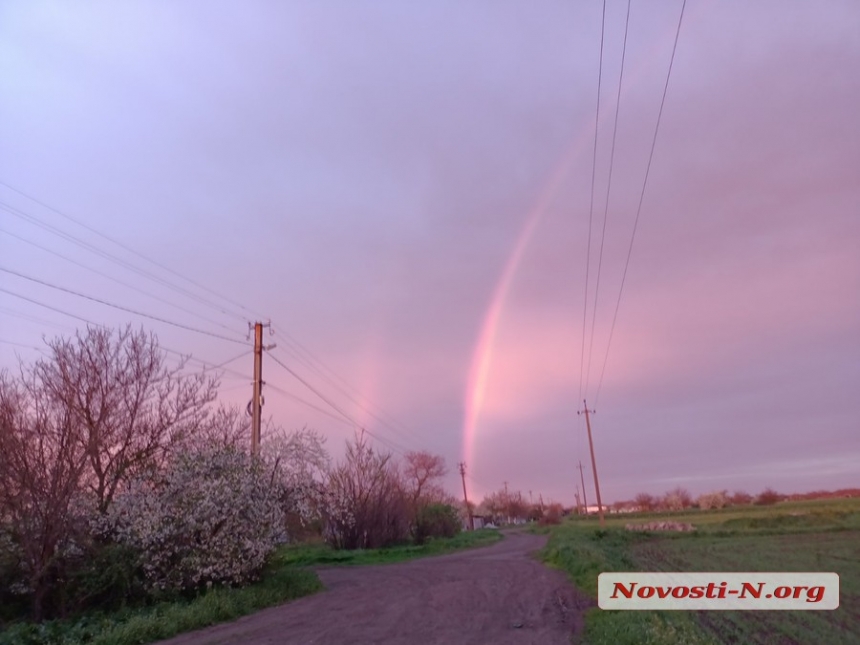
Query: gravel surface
(498, 594)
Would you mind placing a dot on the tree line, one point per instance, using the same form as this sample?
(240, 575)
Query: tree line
(123, 480)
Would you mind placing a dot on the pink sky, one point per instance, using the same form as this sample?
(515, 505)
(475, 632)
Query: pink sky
(404, 189)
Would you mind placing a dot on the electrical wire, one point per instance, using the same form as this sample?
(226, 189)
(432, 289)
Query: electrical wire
(118, 281)
(401, 433)
(35, 319)
(608, 193)
(591, 204)
(128, 248)
(298, 399)
(121, 307)
(113, 258)
(391, 423)
(387, 442)
(209, 364)
(641, 198)
(51, 307)
(10, 342)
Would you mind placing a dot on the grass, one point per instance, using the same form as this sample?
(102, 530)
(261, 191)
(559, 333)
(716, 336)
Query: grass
(321, 554)
(797, 536)
(286, 578)
(146, 624)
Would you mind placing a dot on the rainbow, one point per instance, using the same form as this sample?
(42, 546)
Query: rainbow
(483, 353)
(482, 356)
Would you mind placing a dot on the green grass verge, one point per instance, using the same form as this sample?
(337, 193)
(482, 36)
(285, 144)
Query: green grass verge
(583, 552)
(321, 554)
(798, 536)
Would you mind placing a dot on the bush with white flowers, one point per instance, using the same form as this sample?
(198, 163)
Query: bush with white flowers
(211, 517)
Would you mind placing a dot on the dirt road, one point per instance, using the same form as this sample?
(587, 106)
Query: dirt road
(498, 594)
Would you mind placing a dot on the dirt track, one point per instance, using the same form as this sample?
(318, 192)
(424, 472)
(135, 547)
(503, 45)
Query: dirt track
(498, 594)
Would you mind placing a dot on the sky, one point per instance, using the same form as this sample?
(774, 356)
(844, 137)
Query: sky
(427, 204)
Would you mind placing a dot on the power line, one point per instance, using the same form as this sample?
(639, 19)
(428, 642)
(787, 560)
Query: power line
(35, 319)
(207, 366)
(10, 342)
(52, 308)
(110, 277)
(232, 387)
(353, 399)
(113, 258)
(591, 204)
(608, 193)
(299, 399)
(127, 248)
(389, 443)
(641, 198)
(120, 307)
(395, 427)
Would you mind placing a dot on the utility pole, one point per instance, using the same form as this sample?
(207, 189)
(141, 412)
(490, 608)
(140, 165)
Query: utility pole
(465, 497)
(541, 502)
(507, 503)
(578, 505)
(584, 497)
(586, 412)
(256, 404)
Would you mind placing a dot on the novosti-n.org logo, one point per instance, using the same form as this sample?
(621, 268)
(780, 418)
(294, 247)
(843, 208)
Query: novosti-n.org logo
(716, 590)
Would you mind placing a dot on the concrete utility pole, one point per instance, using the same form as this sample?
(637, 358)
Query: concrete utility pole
(584, 498)
(578, 505)
(465, 497)
(586, 412)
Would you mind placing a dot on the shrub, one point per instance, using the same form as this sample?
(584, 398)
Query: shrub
(552, 515)
(767, 497)
(677, 499)
(435, 521)
(106, 577)
(212, 517)
(367, 506)
(645, 502)
(716, 499)
(740, 498)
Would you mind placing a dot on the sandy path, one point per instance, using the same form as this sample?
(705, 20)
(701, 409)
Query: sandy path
(498, 594)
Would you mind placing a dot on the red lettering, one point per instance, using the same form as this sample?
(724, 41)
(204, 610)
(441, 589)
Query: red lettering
(680, 592)
(782, 592)
(749, 588)
(627, 593)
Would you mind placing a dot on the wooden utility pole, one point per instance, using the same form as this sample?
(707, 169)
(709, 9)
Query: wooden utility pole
(465, 497)
(578, 505)
(586, 412)
(584, 497)
(257, 400)
(255, 407)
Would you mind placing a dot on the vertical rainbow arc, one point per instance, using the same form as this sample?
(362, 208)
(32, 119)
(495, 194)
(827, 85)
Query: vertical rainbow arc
(483, 354)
